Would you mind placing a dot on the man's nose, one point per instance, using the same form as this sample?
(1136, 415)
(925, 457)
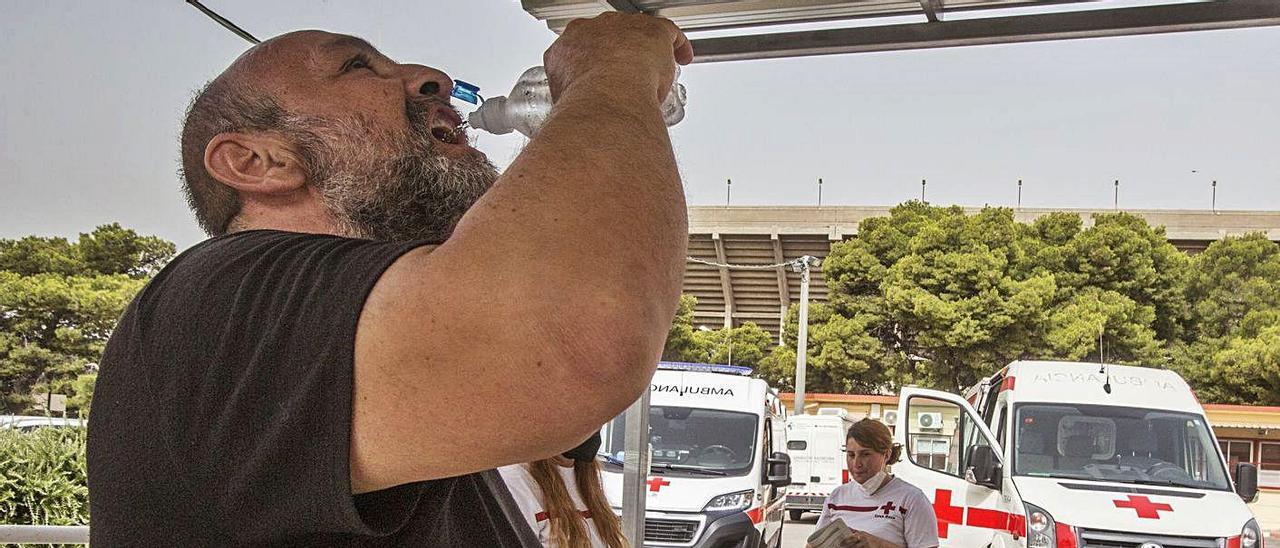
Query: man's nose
(422, 81)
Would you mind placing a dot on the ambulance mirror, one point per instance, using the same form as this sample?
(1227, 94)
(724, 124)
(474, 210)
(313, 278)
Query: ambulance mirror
(984, 467)
(1247, 481)
(779, 470)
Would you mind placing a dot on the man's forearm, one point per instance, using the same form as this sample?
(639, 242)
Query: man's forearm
(595, 198)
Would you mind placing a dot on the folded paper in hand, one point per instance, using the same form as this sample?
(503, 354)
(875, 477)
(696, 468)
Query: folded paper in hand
(836, 534)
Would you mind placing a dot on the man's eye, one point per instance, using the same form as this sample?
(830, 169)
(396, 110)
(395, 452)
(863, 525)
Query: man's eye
(356, 63)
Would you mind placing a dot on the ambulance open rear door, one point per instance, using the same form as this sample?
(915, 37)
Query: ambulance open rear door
(953, 457)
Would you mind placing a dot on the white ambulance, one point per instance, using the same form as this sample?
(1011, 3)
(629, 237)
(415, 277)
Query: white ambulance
(816, 446)
(1074, 455)
(718, 469)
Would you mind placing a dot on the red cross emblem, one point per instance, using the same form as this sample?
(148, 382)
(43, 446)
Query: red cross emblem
(888, 507)
(1144, 507)
(656, 483)
(948, 515)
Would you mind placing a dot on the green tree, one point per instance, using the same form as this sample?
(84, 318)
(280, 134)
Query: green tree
(1234, 281)
(111, 249)
(745, 345)
(951, 297)
(842, 357)
(682, 345)
(1232, 353)
(942, 291)
(59, 303)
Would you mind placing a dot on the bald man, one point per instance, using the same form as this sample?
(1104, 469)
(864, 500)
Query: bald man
(379, 319)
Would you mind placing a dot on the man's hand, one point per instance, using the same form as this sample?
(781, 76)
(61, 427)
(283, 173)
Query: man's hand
(622, 52)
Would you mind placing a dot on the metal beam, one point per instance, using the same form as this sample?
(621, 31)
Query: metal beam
(624, 6)
(932, 10)
(1217, 15)
(726, 283)
(696, 15)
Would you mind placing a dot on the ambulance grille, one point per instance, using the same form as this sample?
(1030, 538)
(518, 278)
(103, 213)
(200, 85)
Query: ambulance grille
(1092, 538)
(670, 530)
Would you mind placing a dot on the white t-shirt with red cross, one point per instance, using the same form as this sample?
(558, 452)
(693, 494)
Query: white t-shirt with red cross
(529, 498)
(897, 512)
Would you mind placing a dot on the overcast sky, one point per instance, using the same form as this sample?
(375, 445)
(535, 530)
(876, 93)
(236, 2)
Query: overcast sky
(93, 94)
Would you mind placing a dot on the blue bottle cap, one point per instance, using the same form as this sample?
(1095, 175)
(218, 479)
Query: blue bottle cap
(466, 92)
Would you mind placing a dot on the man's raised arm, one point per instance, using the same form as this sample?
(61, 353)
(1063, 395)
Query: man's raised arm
(544, 313)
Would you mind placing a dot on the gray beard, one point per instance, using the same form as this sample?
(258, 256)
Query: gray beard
(389, 185)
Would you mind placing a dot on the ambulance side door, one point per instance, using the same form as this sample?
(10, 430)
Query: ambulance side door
(955, 459)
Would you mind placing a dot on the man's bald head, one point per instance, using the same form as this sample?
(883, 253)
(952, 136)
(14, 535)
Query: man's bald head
(358, 124)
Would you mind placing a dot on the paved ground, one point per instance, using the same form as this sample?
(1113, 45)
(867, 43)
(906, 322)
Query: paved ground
(795, 532)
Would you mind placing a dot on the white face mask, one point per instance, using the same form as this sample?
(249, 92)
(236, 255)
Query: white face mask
(874, 482)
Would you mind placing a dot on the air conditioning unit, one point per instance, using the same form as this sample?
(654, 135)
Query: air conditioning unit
(929, 421)
(833, 411)
(890, 417)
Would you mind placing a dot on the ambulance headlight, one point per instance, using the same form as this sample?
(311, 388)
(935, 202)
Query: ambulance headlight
(740, 500)
(1040, 528)
(1251, 535)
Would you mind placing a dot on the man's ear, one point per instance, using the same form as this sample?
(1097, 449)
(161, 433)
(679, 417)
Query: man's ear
(254, 163)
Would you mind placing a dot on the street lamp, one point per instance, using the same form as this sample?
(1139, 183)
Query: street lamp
(802, 266)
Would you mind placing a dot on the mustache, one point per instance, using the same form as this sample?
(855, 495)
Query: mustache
(418, 110)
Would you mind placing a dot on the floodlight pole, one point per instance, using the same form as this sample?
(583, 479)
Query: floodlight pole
(1019, 194)
(1214, 203)
(802, 265)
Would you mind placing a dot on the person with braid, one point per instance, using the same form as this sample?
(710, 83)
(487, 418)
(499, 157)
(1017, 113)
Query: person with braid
(563, 500)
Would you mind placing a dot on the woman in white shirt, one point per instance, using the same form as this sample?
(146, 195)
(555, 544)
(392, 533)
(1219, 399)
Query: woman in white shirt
(876, 503)
(563, 501)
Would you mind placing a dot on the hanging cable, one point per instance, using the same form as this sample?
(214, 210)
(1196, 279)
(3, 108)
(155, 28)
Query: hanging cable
(224, 22)
(744, 266)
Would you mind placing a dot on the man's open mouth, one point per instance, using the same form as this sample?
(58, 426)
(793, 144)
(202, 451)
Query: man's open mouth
(447, 127)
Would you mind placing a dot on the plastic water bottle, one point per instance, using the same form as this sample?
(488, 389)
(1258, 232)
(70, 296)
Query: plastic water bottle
(529, 103)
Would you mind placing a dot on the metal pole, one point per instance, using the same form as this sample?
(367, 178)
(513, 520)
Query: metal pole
(1214, 205)
(802, 341)
(728, 187)
(1019, 193)
(635, 470)
(922, 184)
(50, 534)
(1116, 206)
(819, 192)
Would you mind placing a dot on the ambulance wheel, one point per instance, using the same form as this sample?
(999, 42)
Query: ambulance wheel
(795, 514)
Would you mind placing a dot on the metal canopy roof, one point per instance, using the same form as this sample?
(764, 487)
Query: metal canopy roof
(874, 25)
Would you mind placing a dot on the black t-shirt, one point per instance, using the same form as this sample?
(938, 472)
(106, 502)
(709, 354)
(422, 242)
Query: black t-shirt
(222, 414)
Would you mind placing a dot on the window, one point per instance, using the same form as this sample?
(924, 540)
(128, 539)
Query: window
(682, 438)
(1269, 464)
(1236, 451)
(933, 452)
(1001, 419)
(1116, 444)
(934, 434)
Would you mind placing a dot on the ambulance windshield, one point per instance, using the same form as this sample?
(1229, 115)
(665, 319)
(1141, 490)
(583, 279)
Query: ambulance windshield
(692, 440)
(1119, 444)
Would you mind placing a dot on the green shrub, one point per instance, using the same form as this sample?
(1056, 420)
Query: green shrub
(43, 479)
